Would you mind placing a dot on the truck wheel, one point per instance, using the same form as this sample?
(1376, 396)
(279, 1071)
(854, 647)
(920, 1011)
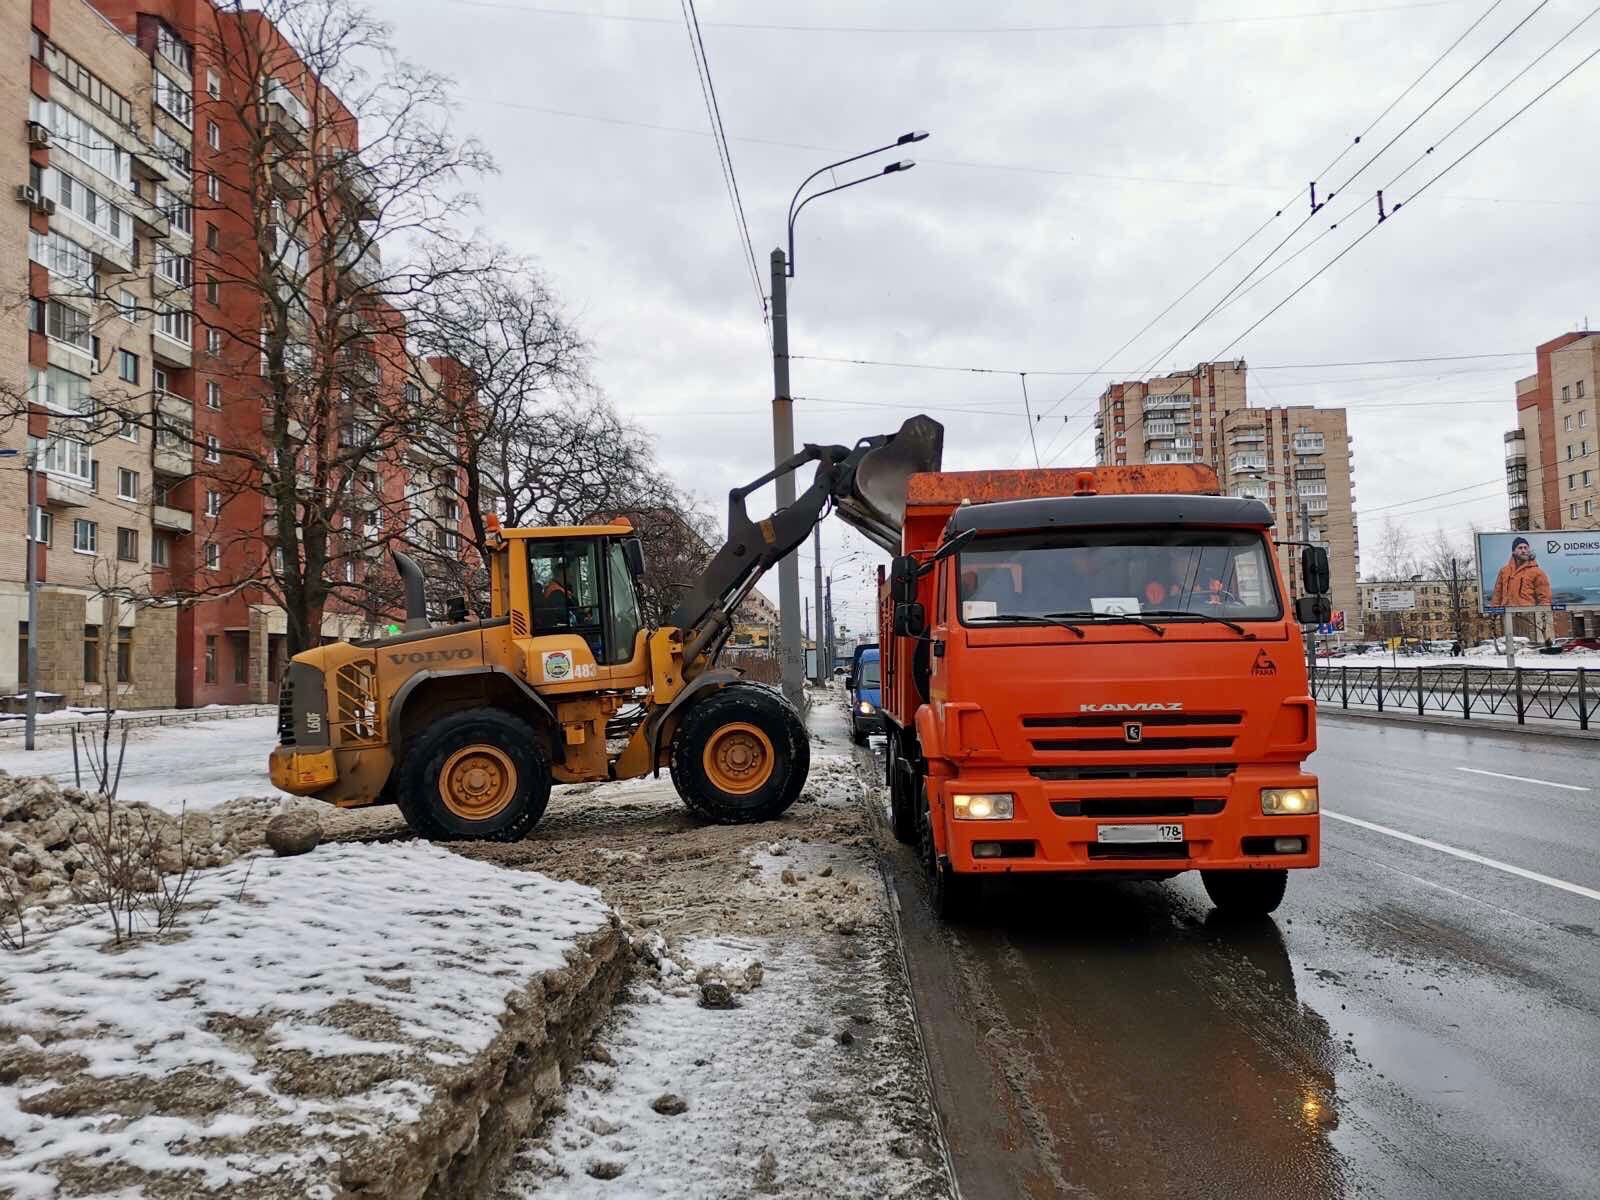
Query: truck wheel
(858, 735)
(474, 775)
(902, 809)
(1246, 893)
(740, 755)
(950, 895)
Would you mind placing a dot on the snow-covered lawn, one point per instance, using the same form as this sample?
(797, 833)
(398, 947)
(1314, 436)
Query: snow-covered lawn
(197, 765)
(1476, 659)
(303, 1009)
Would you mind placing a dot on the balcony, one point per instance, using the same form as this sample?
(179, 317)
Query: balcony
(353, 178)
(360, 364)
(1168, 456)
(288, 118)
(65, 491)
(1183, 443)
(1157, 430)
(1312, 488)
(287, 181)
(1164, 403)
(1247, 462)
(171, 351)
(1248, 437)
(175, 519)
(357, 272)
(1249, 491)
(1314, 505)
(1308, 443)
(1517, 472)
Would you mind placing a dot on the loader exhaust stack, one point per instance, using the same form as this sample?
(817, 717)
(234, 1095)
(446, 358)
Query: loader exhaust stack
(416, 604)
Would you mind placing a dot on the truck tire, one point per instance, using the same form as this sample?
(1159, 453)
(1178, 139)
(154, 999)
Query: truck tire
(902, 805)
(1246, 893)
(478, 775)
(740, 755)
(950, 894)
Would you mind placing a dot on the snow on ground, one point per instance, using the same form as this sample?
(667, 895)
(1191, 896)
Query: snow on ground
(777, 1098)
(1476, 659)
(12, 723)
(186, 1059)
(196, 765)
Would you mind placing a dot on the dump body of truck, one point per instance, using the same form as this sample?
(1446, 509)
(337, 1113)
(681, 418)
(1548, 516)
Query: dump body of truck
(1108, 678)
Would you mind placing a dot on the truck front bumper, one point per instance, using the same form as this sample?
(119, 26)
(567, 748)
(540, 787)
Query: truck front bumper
(301, 772)
(1056, 826)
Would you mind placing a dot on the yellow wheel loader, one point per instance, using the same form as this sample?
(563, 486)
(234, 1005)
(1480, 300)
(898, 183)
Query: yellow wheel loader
(465, 725)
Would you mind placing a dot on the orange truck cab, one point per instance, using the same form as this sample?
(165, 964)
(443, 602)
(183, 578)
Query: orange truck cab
(1097, 671)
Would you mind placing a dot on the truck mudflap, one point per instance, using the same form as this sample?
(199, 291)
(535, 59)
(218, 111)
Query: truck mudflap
(1142, 830)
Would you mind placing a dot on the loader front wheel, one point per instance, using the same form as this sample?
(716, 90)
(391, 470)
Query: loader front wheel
(740, 755)
(474, 775)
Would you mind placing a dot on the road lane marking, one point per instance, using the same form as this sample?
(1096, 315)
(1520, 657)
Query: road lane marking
(1576, 889)
(1571, 787)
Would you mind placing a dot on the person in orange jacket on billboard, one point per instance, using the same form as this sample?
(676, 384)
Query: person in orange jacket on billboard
(1521, 583)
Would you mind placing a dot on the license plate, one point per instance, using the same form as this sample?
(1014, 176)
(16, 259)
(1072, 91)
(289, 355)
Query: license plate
(1124, 834)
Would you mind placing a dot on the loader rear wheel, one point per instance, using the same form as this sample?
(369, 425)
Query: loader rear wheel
(474, 775)
(740, 755)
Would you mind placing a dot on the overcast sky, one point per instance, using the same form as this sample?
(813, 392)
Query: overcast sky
(1076, 182)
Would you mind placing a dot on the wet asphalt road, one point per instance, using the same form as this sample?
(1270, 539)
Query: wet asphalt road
(1412, 1023)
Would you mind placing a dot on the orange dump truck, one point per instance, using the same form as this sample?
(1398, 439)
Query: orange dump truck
(1097, 671)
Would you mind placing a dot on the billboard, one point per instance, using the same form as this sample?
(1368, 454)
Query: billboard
(1538, 570)
(1395, 601)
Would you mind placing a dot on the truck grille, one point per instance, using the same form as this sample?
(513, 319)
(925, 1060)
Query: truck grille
(1174, 771)
(1138, 806)
(286, 710)
(1160, 731)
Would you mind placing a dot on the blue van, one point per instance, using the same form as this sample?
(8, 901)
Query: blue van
(866, 697)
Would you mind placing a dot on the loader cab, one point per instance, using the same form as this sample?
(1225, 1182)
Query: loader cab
(577, 585)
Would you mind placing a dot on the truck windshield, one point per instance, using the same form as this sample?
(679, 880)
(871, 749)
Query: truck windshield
(1106, 572)
(869, 674)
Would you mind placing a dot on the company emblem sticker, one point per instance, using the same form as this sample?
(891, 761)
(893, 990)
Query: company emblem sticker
(1133, 731)
(1263, 665)
(557, 664)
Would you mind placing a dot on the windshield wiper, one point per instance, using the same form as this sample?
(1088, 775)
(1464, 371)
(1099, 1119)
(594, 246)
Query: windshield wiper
(1029, 619)
(1119, 618)
(1201, 616)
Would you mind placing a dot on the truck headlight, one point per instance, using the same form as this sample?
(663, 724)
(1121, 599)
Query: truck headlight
(865, 708)
(983, 806)
(1288, 802)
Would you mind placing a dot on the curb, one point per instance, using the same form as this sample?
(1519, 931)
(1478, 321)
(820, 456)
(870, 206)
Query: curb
(1487, 725)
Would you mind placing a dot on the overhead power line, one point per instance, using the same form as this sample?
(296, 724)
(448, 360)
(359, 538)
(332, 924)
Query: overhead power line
(708, 93)
(975, 370)
(969, 30)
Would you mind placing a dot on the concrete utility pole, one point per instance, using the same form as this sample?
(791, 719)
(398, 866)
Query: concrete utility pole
(1455, 602)
(827, 624)
(794, 650)
(816, 573)
(1311, 642)
(31, 705)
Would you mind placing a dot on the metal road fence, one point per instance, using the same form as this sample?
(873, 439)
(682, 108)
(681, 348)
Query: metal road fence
(132, 718)
(1465, 692)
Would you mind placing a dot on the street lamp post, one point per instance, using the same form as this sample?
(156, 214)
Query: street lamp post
(794, 654)
(31, 545)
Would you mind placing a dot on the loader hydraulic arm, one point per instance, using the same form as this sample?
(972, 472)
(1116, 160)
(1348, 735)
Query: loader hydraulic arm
(867, 482)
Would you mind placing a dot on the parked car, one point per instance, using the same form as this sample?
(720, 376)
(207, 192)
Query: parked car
(866, 696)
(1581, 643)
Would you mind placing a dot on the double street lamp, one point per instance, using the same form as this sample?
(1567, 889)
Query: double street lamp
(794, 656)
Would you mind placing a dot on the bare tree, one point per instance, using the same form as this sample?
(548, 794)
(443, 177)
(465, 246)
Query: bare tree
(1395, 556)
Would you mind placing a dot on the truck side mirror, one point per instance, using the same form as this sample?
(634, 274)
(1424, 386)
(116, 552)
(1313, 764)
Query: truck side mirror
(903, 572)
(1313, 610)
(1314, 576)
(633, 555)
(910, 619)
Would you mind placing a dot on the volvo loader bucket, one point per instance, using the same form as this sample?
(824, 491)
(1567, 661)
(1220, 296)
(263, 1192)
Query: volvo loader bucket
(873, 500)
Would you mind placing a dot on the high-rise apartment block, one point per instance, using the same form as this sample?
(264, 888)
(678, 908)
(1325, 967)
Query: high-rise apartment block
(134, 154)
(1553, 455)
(1297, 460)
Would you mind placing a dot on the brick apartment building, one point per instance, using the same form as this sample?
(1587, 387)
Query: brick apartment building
(1297, 460)
(1553, 455)
(1440, 610)
(127, 118)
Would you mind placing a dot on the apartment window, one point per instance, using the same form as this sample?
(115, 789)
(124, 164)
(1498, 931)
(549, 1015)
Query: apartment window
(127, 305)
(62, 391)
(125, 654)
(349, 570)
(213, 136)
(213, 394)
(213, 290)
(213, 341)
(177, 210)
(127, 484)
(68, 325)
(213, 85)
(161, 492)
(1588, 508)
(174, 267)
(1572, 482)
(47, 525)
(1583, 418)
(213, 239)
(72, 264)
(277, 560)
(1570, 455)
(127, 544)
(85, 537)
(127, 366)
(1572, 510)
(175, 323)
(67, 456)
(158, 550)
(211, 658)
(213, 556)
(1579, 386)
(241, 660)
(213, 504)
(1583, 449)
(174, 100)
(1566, 423)
(1566, 392)
(213, 448)
(213, 187)
(1587, 476)
(91, 654)
(173, 48)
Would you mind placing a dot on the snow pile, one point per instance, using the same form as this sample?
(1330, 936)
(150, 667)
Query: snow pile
(45, 832)
(315, 1001)
(834, 781)
(792, 1091)
(170, 767)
